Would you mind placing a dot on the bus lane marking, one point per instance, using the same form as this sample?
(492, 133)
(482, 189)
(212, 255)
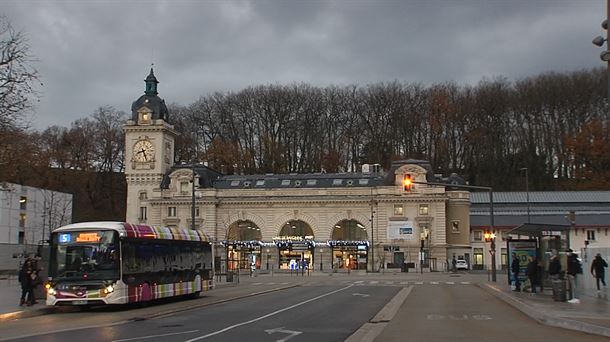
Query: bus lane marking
(267, 315)
(153, 336)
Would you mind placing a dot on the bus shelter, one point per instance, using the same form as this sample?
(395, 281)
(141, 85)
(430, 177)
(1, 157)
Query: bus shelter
(550, 238)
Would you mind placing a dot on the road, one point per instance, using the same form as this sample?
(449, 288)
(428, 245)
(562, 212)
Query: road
(306, 309)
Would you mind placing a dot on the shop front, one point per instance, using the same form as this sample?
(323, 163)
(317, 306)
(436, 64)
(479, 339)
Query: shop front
(295, 252)
(349, 245)
(243, 246)
(243, 255)
(351, 255)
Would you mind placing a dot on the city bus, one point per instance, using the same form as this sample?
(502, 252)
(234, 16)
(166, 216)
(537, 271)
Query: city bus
(117, 263)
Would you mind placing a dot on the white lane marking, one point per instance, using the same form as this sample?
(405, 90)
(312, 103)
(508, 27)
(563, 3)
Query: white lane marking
(463, 317)
(465, 283)
(257, 283)
(267, 315)
(360, 294)
(281, 330)
(419, 283)
(434, 282)
(359, 282)
(153, 336)
(404, 282)
(450, 283)
(374, 282)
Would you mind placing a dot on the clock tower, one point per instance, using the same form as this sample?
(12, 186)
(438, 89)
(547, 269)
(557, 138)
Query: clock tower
(149, 150)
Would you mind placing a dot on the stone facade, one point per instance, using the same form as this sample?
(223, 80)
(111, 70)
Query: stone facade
(343, 220)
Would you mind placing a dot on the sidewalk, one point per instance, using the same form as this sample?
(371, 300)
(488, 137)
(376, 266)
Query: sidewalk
(591, 315)
(10, 292)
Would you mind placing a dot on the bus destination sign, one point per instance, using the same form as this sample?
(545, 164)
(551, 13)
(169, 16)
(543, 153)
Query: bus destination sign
(88, 237)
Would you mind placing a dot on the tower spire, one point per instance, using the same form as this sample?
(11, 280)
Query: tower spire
(151, 83)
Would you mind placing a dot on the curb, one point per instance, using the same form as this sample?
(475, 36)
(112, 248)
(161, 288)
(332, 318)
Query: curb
(544, 318)
(370, 330)
(9, 316)
(25, 314)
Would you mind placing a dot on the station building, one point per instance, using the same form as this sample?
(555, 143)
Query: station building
(359, 220)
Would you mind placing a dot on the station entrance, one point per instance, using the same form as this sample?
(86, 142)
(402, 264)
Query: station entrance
(349, 245)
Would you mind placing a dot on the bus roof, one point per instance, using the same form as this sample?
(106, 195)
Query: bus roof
(141, 231)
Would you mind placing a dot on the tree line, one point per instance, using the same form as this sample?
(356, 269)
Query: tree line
(555, 124)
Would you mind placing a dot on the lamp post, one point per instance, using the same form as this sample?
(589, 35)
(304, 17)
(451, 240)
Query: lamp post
(527, 192)
(193, 183)
(372, 233)
(605, 55)
(423, 236)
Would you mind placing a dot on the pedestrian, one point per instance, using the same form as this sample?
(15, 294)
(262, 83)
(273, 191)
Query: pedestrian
(598, 271)
(27, 278)
(514, 267)
(532, 273)
(454, 264)
(554, 266)
(574, 267)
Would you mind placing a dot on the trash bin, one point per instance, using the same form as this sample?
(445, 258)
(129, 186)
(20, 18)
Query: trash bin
(229, 277)
(559, 290)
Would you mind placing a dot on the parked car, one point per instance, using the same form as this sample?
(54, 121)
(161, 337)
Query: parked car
(461, 265)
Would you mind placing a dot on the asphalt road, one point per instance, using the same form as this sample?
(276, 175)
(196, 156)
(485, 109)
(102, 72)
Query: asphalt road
(305, 313)
(467, 313)
(438, 308)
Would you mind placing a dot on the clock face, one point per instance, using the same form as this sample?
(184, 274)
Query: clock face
(143, 151)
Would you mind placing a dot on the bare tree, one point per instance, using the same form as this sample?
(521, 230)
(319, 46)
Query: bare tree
(17, 75)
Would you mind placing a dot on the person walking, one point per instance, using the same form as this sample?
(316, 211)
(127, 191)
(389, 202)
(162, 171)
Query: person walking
(532, 273)
(27, 275)
(554, 266)
(514, 267)
(574, 268)
(454, 264)
(598, 271)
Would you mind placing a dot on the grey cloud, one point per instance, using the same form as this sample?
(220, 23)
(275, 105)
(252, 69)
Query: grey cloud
(98, 53)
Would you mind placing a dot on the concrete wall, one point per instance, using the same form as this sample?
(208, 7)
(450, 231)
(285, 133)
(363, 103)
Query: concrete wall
(11, 255)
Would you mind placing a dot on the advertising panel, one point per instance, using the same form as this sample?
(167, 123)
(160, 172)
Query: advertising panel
(402, 230)
(523, 249)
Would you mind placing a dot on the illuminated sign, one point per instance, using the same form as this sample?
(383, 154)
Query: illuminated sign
(64, 238)
(87, 237)
(293, 238)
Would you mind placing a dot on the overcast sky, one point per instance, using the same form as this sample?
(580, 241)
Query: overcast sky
(96, 53)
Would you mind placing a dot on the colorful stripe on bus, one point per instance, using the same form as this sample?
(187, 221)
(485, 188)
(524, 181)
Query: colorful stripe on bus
(166, 233)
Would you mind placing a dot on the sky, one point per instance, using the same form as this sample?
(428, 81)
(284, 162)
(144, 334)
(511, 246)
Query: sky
(97, 53)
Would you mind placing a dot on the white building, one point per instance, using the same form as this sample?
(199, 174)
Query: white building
(28, 214)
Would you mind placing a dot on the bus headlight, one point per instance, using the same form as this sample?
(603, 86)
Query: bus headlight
(109, 289)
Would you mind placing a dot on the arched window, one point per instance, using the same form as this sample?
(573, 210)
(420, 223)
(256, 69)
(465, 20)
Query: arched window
(349, 230)
(244, 230)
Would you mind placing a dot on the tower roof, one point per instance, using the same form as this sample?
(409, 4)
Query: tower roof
(150, 100)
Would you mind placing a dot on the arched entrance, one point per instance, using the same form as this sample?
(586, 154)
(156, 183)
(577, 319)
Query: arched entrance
(349, 245)
(295, 245)
(243, 245)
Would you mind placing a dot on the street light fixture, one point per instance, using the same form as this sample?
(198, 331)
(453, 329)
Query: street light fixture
(605, 55)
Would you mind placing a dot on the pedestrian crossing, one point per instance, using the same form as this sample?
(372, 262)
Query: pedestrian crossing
(365, 283)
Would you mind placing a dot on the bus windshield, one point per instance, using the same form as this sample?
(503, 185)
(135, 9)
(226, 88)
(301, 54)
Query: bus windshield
(85, 255)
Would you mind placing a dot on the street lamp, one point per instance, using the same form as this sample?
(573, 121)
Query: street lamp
(423, 236)
(605, 55)
(527, 192)
(372, 232)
